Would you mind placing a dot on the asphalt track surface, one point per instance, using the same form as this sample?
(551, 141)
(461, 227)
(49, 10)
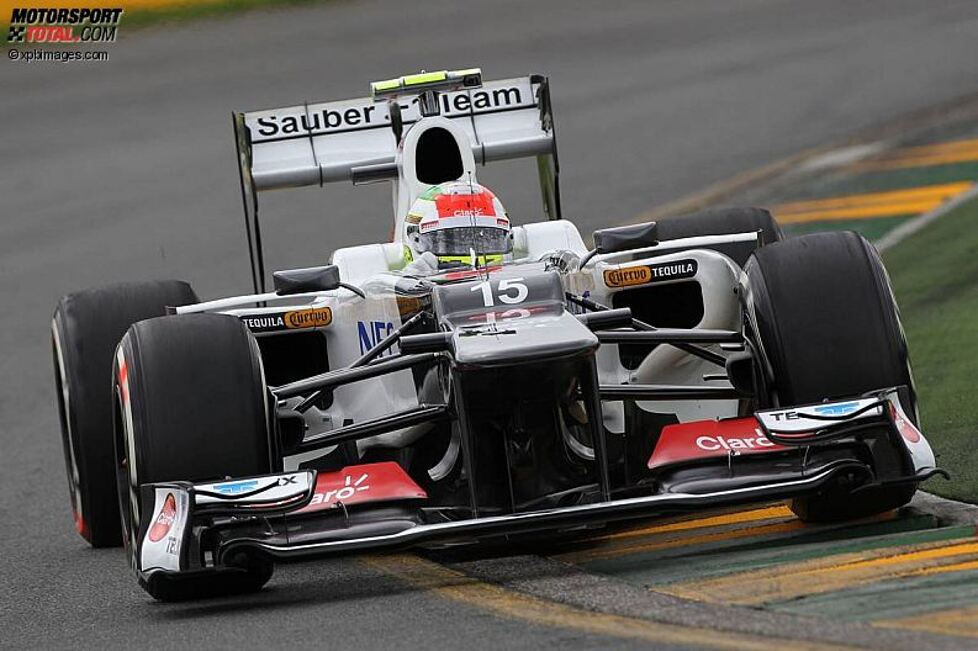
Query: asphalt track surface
(126, 170)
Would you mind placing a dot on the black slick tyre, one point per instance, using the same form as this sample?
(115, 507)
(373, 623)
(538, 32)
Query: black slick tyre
(830, 328)
(85, 329)
(191, 405)
(721, 221)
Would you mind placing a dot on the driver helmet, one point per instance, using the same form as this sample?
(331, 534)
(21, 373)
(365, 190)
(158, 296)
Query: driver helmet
(457, 220)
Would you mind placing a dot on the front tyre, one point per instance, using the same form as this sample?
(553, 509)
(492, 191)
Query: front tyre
(192, 405)
(829, 327)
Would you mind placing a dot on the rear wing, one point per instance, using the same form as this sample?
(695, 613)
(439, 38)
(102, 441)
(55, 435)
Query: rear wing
(350, 140)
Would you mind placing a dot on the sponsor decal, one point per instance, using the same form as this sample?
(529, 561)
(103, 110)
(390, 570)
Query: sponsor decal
(838, 409)
(650, 273)
(160, 548)
(627, 276)
(920, 451)
(312, 318)
(812, 418)
(63, 25)
(712, 443)
(257, 492)
(904, 426)
(371, 482)
(371, 333)
(320, 122)
(408, 306)
(318, 317)
(264, 323)
(236, 487)
(784, 415)
(328, 118)
(349, 488)
(708, 439)
(164, 520)
(465, 205)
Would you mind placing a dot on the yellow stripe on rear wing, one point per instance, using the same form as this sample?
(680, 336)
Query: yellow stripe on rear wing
(443, 81)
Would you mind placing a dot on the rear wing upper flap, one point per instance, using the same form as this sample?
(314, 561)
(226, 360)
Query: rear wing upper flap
(314, 144)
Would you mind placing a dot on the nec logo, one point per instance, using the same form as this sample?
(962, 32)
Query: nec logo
(372, 333)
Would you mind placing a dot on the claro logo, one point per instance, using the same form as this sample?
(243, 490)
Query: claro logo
(312, 318)
(349, 488)
(164, 520)
(714, 443)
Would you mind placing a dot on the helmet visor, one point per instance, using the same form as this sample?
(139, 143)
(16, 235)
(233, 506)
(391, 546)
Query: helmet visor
(463, 240)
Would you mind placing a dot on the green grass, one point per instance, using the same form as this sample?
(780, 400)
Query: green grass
(935, 278)
(137, 18)
(898, 179)
(843, 182)
(871, 229)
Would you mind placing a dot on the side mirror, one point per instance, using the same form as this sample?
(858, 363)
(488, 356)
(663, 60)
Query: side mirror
(310, 279)
(623, 238)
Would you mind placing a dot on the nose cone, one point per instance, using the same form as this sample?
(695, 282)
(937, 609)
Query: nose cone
(514, 316)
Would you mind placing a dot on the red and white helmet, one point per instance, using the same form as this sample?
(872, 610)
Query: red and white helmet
(456, 220)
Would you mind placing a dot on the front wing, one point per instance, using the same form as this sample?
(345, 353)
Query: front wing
(190, 528)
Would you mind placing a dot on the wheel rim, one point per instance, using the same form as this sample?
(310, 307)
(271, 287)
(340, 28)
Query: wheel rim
(126, 468)
(62, 388)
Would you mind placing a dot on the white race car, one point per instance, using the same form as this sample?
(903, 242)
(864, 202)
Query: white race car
(472, 379)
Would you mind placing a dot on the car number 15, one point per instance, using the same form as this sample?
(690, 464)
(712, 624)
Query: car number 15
(511, 291)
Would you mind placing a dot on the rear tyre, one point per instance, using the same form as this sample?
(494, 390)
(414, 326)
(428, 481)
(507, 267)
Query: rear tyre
(86, 327)
(721, 221)
(192, 405)
(830, 328)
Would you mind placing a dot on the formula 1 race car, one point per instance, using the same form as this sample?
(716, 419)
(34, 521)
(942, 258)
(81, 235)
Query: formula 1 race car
(473, 380)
